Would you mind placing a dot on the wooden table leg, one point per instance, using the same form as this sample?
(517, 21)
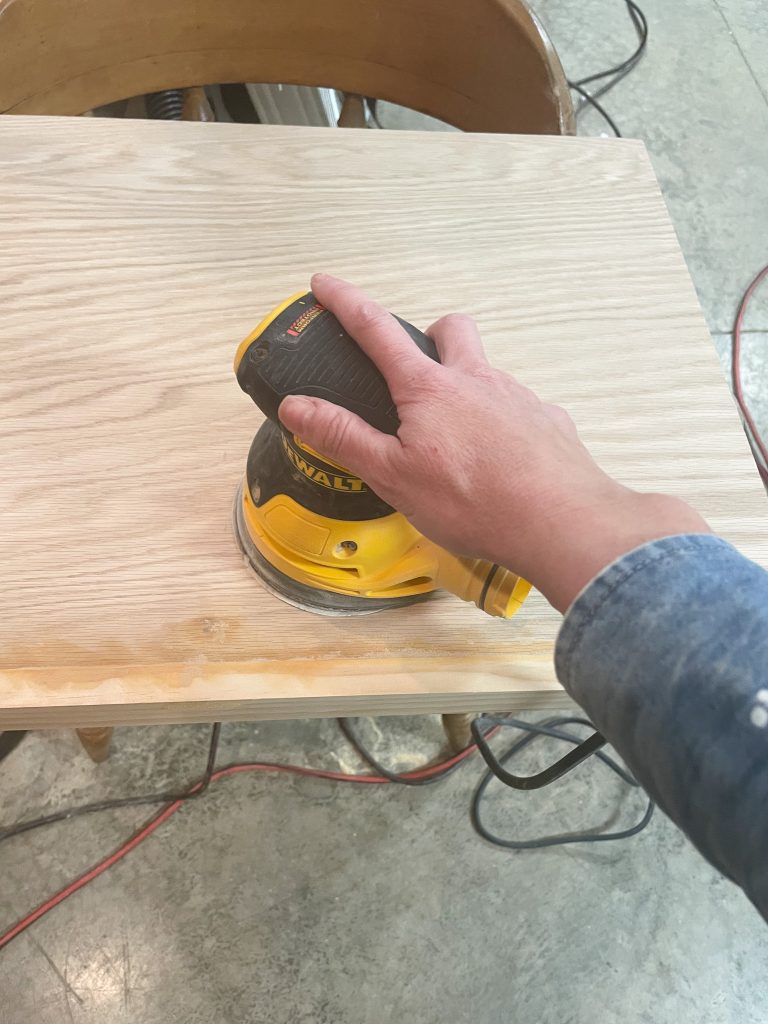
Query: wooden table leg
(457, 730)
(352, 112)
(196, 105)
(96, 742)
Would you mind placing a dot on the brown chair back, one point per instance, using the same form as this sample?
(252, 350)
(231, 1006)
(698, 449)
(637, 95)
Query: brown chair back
(482, 65)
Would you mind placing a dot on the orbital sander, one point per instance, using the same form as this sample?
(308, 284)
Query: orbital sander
(317, 535)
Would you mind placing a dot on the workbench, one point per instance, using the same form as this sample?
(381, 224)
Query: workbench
(135, 255)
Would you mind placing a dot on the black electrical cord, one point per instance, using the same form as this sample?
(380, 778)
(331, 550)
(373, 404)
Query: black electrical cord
(534, 731)
(190, 793)
(543, 778)
(598, 107)
(641, 27)
(378, 767)
(615, 73)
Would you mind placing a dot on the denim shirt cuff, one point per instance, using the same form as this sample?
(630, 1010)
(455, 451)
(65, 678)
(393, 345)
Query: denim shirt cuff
(611, 581)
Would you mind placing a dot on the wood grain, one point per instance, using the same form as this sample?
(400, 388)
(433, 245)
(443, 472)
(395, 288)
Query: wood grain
(134, 256)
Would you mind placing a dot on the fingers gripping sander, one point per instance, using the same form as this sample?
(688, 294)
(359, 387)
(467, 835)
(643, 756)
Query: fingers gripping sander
(316, 534)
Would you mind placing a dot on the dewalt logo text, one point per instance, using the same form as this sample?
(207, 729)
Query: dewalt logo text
(320, 476)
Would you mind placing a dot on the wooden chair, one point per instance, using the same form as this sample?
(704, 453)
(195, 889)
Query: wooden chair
(481, 65)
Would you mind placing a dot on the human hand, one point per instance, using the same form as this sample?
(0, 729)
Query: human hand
(480, 464)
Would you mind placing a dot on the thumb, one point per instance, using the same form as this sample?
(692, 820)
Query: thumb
(338, 434)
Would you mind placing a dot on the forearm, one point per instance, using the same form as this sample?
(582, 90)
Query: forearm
(667, 651)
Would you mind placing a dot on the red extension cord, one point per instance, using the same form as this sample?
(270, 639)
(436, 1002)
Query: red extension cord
(758, 444)
(154, 823)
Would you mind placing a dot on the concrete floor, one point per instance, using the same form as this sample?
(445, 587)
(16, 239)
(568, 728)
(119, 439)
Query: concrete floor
(294, 901)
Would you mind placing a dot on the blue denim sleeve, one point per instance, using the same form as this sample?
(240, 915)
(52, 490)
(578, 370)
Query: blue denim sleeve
(667, 652)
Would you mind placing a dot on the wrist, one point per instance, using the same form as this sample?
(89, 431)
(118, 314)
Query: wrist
(573, 547)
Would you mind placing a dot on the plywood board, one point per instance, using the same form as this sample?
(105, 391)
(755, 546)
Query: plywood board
(134, 256)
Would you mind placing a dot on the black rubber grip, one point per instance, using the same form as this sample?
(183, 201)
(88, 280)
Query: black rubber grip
(306, 351)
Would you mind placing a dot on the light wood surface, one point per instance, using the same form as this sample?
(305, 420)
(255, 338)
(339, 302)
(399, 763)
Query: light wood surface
(482, 65)
(134, 256)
